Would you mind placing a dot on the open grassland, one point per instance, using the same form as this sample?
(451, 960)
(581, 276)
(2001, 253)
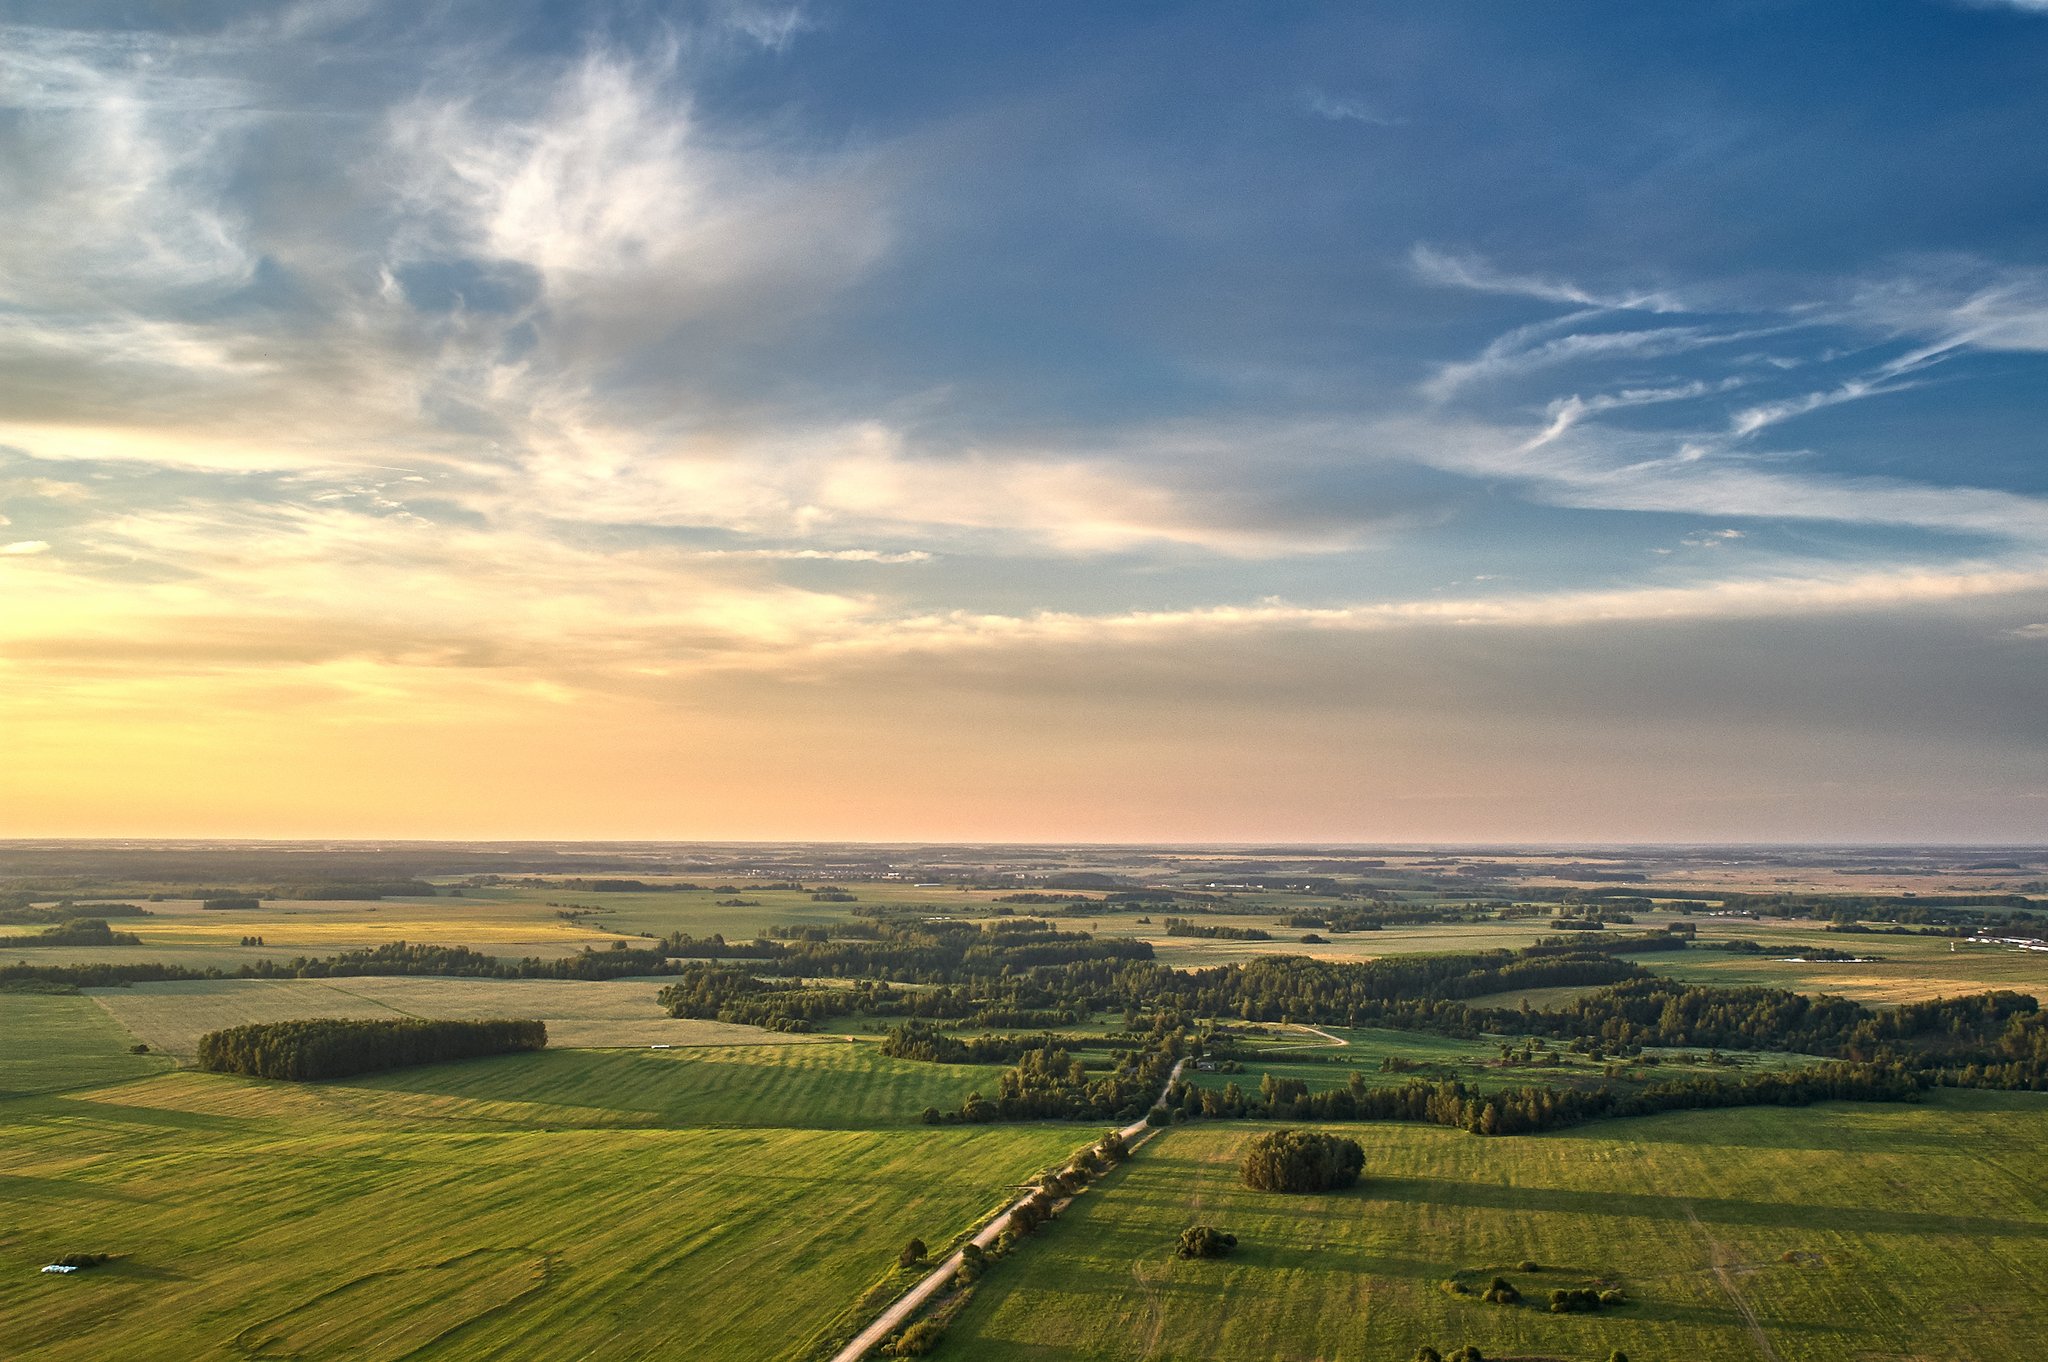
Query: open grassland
(1184, 952)
(579, 1012)
(1903, 976)
(1907, 968)
(180, 932)
(1310, 1056)
(829, 1084)
(470, 1211)
(1841, 1233)
(49, 1042)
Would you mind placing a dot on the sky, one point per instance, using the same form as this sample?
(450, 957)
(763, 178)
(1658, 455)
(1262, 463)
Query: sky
(1163, 422)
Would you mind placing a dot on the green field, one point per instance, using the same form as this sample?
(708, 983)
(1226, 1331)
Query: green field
(58, 1041)
(1311, 1057)
(1912, 1232)
(1907, 968)
(579, 1012)
(563, 1206)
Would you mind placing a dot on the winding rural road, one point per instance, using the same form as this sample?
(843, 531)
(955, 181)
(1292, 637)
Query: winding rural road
(913, 1300)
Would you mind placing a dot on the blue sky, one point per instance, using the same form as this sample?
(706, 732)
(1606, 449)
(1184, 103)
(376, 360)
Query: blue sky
(1174, 421)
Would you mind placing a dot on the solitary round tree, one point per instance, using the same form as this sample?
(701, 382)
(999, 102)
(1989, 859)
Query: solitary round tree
(1301, 1161)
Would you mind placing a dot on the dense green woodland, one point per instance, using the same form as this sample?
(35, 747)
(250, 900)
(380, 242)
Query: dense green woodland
(303, 1051)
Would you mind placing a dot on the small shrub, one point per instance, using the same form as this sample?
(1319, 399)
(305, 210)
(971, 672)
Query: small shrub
(913, 1254)
(1425, 1353)
(919, 1339)
(1501, 1291)
(1204, 1241)
(1469, 1353)
(138, 1049)
(1569, 1301)
(1612, 1296)
(1617, 1356)
(1527, 1265)
(84, 1259)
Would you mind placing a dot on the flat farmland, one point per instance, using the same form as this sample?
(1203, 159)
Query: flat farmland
(579, 1012)
(1840, 1233)
(49, 1042)
(832, 1084)
(607, 1204)
(1907, 968)
(180, 932)
(1187, 952)
(1310, 1057)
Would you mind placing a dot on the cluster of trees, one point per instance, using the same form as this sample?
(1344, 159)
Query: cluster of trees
(231, 902)
(331, 1047)
(922, 1041)
(1048, 1083)
(80, 931)
(1301, 1161)
(1525, 1110)
(21, 910)
(1008, 966)
(1181, 926)
(1571, 1300)
(715, 947)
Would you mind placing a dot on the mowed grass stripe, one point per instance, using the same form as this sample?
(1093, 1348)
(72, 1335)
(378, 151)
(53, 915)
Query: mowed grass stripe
(50, 1042)
(725, 1242)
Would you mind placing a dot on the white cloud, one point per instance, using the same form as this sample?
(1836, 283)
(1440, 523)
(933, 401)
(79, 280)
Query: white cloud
(1757, 597)
(1469, 271)
(634, 215)
(820, 555)
(115, 171)
(1346, 109)
(24, 548)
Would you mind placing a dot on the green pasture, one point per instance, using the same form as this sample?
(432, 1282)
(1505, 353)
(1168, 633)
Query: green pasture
(49, 1042)
(1298, 1053)
(579, 1012)
(1839, 1233)
(1906, 968)
(545, 1209)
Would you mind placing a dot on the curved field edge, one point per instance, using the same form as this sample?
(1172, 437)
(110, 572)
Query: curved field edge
(1828, 1234)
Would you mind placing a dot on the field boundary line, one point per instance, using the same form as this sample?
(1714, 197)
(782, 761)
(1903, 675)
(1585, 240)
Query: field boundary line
(910, 1302)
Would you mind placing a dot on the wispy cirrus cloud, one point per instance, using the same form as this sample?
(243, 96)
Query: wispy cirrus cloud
(1346, 109)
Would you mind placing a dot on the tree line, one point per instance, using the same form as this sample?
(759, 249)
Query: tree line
(330, 1047)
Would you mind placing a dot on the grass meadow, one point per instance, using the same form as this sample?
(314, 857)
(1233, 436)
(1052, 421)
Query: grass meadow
(1311, 1057)
(579, 1012)
(1842, 1233)
(471, 1211)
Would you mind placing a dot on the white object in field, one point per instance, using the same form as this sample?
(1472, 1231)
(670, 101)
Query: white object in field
(59, 1267)
(661, 1047)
